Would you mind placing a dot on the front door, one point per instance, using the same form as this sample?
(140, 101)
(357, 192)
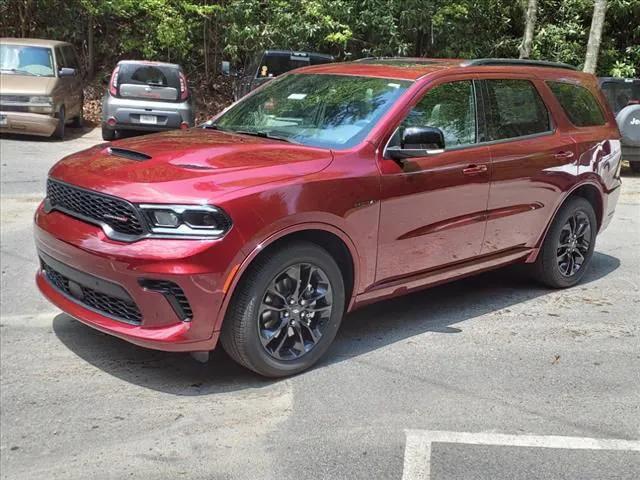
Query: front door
(433, 208)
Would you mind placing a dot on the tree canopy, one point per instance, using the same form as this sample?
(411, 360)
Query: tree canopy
(200, 33)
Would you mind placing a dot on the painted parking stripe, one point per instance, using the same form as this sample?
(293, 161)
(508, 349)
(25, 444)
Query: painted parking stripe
(417, 456)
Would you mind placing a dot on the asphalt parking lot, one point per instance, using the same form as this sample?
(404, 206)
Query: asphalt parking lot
(492, 377)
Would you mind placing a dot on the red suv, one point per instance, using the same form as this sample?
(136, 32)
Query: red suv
(327, 189)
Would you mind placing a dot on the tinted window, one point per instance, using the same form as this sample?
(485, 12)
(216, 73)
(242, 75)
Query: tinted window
(578, 103)
(514, 109)
(150, 81)
(621, 93)
(70, 59)
(451, 108)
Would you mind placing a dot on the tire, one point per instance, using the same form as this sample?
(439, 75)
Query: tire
(556, 271)
(635, 167)
(78, 121)
(60, 129)
(245, 328)
(108, 134)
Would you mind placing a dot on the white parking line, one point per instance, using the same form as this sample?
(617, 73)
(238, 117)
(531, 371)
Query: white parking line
(417, 454)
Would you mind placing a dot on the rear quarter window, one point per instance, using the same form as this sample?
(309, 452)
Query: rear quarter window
(578, 103)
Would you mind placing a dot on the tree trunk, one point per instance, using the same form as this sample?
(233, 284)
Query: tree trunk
(91, 55)
(595, 35)
(529, 28)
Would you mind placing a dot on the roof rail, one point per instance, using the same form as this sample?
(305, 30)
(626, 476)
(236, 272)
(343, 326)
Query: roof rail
(517, 62)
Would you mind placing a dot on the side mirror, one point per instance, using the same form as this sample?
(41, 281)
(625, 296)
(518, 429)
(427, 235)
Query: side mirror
(67, 72)
(417, 142)
(106, 79)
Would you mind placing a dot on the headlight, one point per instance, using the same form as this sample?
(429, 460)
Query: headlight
(41, 100)
(186, 220)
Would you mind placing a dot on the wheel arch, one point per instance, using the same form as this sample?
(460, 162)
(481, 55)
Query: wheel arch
(332, 239)
(590, 191)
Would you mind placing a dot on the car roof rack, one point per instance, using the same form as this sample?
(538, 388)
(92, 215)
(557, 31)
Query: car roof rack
(517, 62)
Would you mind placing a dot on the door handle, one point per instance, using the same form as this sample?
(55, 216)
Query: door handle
(563, 155)
(474, 169)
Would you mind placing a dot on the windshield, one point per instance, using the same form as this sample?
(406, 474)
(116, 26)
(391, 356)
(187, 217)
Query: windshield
(330, 111)
(26, 60)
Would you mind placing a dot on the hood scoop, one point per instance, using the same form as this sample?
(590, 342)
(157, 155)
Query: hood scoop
(130, 154)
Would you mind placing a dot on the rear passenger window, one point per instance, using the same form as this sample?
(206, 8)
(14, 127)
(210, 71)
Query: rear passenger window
(578, 103)
(515, 109)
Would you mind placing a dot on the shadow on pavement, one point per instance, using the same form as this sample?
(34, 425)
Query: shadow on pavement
(437, 309)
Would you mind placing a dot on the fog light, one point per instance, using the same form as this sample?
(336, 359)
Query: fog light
(112, 121)
(165, 218)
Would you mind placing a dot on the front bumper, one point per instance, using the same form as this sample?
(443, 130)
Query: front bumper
(192, 265)
(28, 123)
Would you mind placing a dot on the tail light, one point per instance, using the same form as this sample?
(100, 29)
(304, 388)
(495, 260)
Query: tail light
(184, 90)
(184, 126)
(113, 84)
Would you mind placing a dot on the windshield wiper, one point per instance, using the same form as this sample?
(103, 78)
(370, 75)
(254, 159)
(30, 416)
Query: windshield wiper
(253, 133)
(269, 135)
(17, 70)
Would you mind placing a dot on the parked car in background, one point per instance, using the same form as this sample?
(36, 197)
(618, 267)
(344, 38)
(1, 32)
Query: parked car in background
(267, 65)
(41, 89)
(623, 95)
(146, 96)
(331, 187)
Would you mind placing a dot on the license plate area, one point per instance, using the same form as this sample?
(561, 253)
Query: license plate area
(148, 119)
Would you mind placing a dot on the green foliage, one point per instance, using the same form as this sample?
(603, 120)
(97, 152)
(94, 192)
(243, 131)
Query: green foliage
(187, 31)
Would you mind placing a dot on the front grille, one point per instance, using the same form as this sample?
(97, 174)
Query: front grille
(173, 293)
(118, 308)
(95, 207)
(14, 99)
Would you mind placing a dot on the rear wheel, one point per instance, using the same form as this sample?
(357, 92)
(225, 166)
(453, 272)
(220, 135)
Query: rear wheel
(635, 167)
(568, 247)
(108, 134)
(286, 311)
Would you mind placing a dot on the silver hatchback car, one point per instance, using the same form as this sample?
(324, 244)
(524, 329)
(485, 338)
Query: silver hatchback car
(147, 96)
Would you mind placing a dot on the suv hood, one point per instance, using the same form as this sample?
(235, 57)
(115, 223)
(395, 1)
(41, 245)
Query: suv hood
(11, 84)
(192, 165)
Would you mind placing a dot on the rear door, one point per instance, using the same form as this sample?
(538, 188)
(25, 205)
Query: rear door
(146, 81)
(532, 160)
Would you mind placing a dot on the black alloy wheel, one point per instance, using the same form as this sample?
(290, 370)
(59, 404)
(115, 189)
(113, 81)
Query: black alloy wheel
(294, 311)
(285, 310)
(574, 243)
(568, 246)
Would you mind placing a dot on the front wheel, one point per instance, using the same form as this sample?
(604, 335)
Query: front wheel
(60, 128)
(286, 311)
(568, 247)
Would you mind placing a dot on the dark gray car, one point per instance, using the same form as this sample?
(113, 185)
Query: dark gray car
(267, 65)
(146, 96)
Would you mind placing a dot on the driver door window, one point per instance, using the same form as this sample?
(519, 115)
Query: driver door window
(451, 107)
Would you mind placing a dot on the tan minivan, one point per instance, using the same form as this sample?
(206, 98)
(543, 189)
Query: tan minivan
(40, 87)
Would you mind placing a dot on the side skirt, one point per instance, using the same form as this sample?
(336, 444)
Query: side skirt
(401, 286)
